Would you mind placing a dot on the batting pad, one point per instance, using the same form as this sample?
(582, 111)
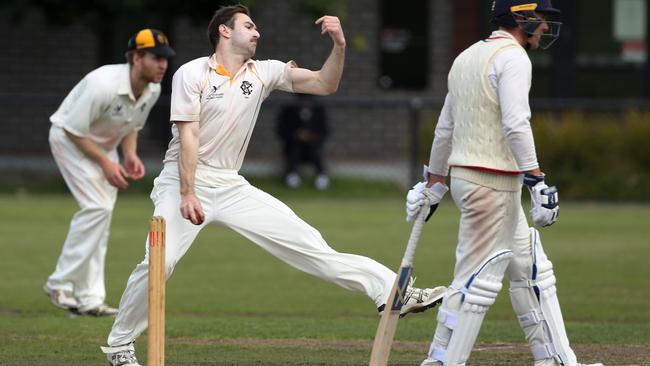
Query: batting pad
(478, 294)
(538, 309)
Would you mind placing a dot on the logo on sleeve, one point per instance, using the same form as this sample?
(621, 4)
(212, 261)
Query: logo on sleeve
(246, 87)
(214, 93)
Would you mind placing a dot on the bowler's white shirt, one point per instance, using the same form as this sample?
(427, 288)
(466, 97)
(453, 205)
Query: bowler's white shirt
(103, 108)
(225, 106)
(508, 74)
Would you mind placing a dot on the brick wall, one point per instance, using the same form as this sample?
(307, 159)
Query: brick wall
(41, 63)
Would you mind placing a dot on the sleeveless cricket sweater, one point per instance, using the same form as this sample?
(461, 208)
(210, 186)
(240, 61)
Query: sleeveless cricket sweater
(478, 139)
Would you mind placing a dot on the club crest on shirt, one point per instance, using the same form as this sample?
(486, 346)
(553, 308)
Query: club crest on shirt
(214, 93)
(246, 87)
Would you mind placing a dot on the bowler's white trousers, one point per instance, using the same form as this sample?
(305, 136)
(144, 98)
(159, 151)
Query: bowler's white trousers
(80, 267)
(229, 200)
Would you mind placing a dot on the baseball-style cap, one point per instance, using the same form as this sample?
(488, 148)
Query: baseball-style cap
(151, 40)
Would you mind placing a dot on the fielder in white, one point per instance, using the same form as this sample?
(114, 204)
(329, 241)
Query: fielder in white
(214, 105)
(105, 109)
(483, 139)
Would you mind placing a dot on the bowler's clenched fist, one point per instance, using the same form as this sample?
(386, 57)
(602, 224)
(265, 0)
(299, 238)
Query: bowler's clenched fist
(332, 25)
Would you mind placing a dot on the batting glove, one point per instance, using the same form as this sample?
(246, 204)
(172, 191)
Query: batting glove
(544, 201)
(420, 196)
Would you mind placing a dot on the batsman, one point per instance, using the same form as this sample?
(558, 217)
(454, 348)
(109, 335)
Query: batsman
(484, 141)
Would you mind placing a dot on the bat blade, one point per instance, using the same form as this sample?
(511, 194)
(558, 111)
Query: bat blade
(388, 322)
(390, 316)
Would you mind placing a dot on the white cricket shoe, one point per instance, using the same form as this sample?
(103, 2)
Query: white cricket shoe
(418, 300)
(121, 355)
(99, 310)
(61, 298)
(430, 362)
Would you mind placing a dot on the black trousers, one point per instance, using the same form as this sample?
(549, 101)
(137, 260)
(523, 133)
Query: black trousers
(297, 153)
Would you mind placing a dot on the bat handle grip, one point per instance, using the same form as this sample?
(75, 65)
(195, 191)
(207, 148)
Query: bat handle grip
(409, 253)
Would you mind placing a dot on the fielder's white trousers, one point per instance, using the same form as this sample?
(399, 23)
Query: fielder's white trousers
(80, 267)
(229, 200)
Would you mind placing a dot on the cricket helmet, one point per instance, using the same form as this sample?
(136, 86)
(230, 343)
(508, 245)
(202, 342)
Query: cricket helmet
(526, 14)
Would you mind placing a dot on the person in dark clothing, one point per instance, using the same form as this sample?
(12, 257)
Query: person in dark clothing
(302, 127)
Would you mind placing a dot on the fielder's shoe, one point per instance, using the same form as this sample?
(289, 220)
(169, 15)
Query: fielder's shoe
(418, 300)
(100, 310)
(61, 298)
(121, 355)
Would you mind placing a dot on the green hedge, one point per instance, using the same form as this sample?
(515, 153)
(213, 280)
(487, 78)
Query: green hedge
(590, 156)
(596, 156)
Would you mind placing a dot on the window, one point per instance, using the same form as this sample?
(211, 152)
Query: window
(404, 44)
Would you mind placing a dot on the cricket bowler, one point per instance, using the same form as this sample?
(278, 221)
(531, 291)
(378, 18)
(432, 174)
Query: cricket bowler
(214, 106)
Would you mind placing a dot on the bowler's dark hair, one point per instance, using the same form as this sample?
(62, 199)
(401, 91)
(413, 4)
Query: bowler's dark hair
(225, 15)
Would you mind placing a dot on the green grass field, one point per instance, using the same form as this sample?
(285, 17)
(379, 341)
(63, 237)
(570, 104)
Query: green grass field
(230, 303)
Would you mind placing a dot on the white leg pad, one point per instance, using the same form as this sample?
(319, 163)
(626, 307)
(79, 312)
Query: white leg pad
(538, 310)
(457, 332)
(446, 320)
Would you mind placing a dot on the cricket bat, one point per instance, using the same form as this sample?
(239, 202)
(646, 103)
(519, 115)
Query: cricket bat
(388, 322)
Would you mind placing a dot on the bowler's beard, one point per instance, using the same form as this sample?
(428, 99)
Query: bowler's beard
(246, 50)
(249, 52)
